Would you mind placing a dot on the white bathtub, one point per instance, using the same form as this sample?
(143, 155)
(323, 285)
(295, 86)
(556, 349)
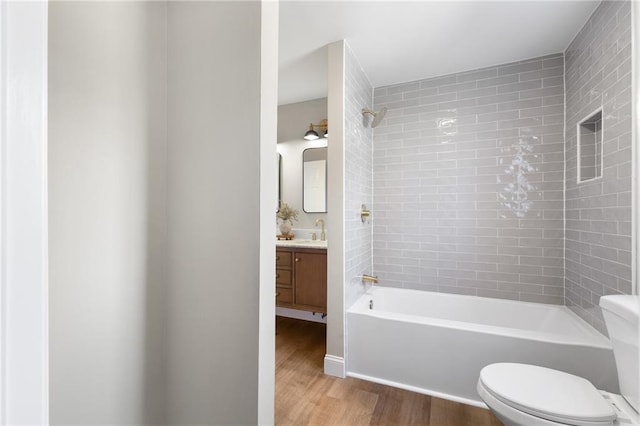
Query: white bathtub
(436, 343)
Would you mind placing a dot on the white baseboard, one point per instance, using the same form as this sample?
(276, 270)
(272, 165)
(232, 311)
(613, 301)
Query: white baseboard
(303, 315)
(334, 366)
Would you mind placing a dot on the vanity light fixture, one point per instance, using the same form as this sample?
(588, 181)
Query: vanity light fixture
(312, 135)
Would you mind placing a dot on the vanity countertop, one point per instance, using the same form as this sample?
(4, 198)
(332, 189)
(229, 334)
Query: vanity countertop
(316, 244)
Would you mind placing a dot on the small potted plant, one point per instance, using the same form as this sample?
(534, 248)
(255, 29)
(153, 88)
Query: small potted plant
(286, 214)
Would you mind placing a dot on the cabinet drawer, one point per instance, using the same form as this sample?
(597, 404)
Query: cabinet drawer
(283, 277)
(283, 259)
(284, 295)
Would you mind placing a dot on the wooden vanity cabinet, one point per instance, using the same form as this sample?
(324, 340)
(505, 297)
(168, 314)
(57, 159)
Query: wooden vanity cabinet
(284, 278)
(301, 278)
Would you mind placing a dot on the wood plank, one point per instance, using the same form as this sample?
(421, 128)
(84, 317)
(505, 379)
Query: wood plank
(449, 413)
(306, 396)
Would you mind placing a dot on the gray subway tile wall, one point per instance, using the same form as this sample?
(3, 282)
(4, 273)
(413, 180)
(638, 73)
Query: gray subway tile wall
(598, 230)
(358, 168)
(469, 181)
(469, 177)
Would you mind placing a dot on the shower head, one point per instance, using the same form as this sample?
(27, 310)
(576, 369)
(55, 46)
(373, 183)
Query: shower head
(377, 116)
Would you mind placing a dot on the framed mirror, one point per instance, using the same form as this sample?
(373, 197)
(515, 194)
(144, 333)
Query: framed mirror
(314, 180)
(279, 165)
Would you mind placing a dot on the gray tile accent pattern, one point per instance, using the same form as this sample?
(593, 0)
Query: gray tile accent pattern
(358, 180)
(468, 183)
(598, 229)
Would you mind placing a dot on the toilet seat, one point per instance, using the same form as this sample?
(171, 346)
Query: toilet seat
(547, 394)
(509, 415)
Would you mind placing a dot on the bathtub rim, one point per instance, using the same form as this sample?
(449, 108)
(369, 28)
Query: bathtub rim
(593, 338)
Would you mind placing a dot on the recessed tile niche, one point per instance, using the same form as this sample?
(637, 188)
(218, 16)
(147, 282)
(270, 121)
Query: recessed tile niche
(590, 147)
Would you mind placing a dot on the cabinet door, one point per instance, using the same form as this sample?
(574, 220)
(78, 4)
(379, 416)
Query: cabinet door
(284, 277)
(311, 281)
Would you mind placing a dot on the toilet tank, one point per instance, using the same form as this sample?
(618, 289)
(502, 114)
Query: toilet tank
(621, 314)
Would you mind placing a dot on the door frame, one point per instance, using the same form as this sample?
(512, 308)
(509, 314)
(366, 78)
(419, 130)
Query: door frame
(24, 340)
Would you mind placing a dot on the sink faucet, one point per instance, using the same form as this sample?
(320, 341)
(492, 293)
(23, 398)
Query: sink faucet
(323, 235)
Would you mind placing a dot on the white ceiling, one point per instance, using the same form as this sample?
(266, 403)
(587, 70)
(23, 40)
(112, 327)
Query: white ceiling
(400, 41)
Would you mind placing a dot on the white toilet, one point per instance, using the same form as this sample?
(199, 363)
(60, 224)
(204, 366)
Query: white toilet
(528, 395)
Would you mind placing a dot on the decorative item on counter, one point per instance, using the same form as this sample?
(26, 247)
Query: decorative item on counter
(286, 214)
(286, 237)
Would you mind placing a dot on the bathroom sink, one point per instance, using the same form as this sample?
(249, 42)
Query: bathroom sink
(302, 243)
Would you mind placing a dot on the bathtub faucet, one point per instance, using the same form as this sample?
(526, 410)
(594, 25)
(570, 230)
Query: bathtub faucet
(369, 278)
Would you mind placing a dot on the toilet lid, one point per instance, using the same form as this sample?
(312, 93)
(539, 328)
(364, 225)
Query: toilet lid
(546, 393)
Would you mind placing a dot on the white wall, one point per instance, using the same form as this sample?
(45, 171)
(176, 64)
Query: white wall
(294, 119)
(268, 170)
(107, 180)
(334, 358)
(23, 214)
(214, 215)
(293, 122)
(108, 217)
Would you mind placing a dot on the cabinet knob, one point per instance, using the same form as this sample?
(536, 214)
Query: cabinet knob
(277, 294)
(277, 257)
(277, 275)
(297, 259)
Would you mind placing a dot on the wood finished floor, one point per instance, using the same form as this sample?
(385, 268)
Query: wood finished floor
(305, 396)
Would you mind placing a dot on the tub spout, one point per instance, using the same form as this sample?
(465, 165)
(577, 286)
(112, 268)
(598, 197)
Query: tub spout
(369, 278)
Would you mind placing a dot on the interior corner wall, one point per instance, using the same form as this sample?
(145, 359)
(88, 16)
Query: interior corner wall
(358, 173)
(598, 74)
(214, 51)
(350, 186)
(154, 180)
(334, 359)
(107, 212)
